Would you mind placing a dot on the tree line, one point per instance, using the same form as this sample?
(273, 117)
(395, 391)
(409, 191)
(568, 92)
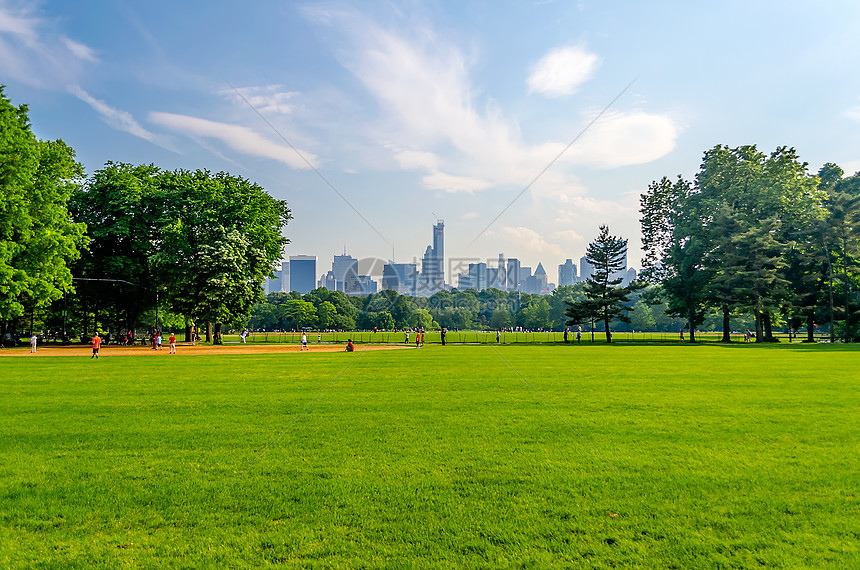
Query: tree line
(756, 234)
(85, 254)
(489, 309)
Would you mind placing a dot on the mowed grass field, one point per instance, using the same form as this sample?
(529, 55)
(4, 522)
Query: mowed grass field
(588, 456)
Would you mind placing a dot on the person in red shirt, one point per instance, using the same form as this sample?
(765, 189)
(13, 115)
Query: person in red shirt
(97, 342)
(172, 340)
(349, 345)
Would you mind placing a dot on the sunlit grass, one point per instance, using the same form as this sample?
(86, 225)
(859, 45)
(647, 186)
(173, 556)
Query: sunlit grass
(468, 456)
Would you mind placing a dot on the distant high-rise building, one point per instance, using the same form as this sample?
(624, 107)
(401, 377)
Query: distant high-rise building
(328, 281)
(478, 273)
(621, 273)
(343, 267)
(464, 281)
(272, 284)
(360, 285)
(433, 262)
(439, 251)
(567, 273)
(400, 277)
(303, 270)
(541, 280)
(630, 277)
(502, 275)
(280, 280)
(512, 275)
(586, 270)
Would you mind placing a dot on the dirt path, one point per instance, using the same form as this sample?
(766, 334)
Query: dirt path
(190, 350)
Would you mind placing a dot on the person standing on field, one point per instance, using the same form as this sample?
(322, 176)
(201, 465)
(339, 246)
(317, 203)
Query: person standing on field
(172, 340)
(33, 340)
(304, 343)
(97, 342)
(578, 334)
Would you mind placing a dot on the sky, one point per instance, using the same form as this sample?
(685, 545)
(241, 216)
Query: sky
(524, 125)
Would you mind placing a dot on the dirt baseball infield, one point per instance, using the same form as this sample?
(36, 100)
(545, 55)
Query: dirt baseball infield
(183, 349)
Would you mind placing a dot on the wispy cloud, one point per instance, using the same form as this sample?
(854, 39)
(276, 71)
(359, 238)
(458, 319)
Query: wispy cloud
(239, 138)
(32, 52)
(526, 240)
(267, 99)
(853, 113)
(562, 71)
(117, 118)
(431, 122)
(80, 50)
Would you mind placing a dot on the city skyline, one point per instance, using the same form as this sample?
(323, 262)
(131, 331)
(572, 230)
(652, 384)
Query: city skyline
(355, 276)
(524, 125)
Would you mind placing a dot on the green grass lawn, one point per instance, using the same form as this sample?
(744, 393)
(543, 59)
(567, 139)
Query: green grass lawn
(589, 456)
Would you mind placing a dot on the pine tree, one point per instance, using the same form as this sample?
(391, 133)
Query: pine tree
(605, 297)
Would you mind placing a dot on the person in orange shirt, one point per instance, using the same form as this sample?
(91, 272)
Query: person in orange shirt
(97, 342)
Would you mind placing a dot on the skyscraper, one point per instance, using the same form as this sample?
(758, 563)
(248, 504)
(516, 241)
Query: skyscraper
(512, 275)
(433, 262)
(586, 270)
(344, 266)
(502, 276)
(567, 273)
(439, 251)
(303, 271)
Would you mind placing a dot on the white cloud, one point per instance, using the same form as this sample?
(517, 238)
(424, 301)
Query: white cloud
(417, 160)
(526, 240)
(116, 118)
(569, 236)
(266, 99)
(241, 139)
(430, 122)
(452, 183)
(625, 138)
(80, 51)
(562, 71)
(32, 52)
(853, 113)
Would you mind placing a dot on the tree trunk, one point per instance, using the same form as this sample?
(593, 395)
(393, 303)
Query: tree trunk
(768, 331)
(759, 328)
(607, 330)
(830, 291)
(848, 334)
(208, 332)
(187, 329)
(692, 328)
(727, 337)
(810, 326)
(216, 339)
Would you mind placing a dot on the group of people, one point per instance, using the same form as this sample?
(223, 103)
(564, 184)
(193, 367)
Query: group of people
(566, 332)
(156, 341)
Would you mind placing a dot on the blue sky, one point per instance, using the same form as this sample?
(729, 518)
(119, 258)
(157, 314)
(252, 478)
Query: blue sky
(417, 110)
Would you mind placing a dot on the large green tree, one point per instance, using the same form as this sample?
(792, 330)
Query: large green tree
(118, 206)
(734, 239)
(153, 227)
(675, 249)
(38, 238)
